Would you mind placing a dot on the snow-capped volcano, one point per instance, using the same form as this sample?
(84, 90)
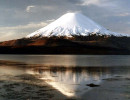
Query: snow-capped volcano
(72, 24)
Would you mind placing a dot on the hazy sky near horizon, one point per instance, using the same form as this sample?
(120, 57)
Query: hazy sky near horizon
(19, 18)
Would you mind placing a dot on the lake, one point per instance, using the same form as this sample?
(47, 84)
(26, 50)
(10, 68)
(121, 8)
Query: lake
(71, 60)
(64, 77)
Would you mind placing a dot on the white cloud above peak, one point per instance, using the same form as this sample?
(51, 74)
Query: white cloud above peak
(100, 3)
(90, 2)
(28, 9)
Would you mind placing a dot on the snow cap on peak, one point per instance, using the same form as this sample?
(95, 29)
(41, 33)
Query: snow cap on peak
(71, 24)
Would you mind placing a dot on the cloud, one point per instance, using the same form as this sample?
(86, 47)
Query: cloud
(7, 33)
(124, 14)
(39, 8)
(99, 3)
(128, 23)
(90, 2)
(47, 7)
(28, 9)
(108, 7)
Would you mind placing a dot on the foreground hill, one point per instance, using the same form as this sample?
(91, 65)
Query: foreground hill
(75, 45)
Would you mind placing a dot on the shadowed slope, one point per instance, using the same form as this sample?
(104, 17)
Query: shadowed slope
(77, 45)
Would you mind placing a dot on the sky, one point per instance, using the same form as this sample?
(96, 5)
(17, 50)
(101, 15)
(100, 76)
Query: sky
(19, 18)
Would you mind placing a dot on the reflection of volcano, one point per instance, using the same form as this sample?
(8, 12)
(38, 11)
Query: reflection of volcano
(72, 82)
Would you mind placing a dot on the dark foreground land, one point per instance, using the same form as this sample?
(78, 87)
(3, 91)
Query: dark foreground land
(98, 45)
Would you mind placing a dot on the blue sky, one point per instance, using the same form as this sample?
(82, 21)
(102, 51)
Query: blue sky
(21, 17)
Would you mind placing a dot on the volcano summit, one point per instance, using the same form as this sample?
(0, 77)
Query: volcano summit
(72, 24)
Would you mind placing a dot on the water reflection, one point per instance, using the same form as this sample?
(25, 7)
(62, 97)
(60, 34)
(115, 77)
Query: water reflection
(10, 71)
(70, 81)
(73, 82)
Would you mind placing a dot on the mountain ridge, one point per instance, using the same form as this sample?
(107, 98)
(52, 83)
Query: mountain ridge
(55, 45)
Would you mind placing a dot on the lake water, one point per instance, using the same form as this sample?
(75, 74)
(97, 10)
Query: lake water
(71, 60)
(64, 77)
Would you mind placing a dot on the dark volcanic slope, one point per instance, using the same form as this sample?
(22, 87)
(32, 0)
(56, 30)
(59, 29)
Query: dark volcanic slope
(38, 42)
(77, 45)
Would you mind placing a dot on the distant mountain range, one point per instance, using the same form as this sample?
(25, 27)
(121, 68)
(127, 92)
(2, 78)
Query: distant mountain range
(72, 33)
